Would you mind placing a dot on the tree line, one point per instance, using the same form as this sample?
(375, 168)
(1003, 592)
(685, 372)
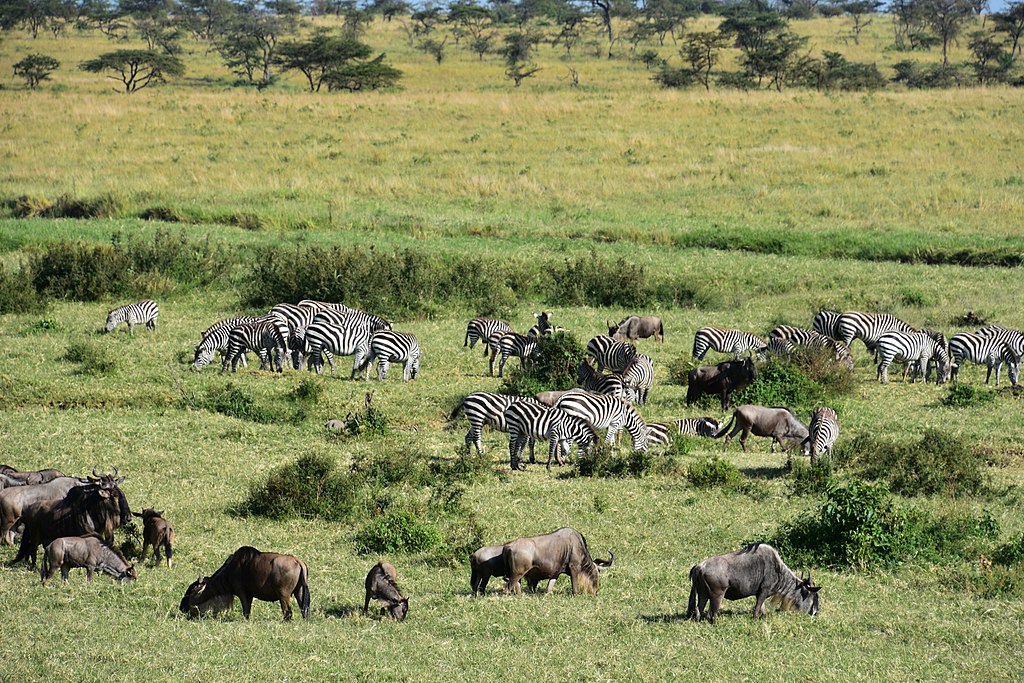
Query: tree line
(258, 39)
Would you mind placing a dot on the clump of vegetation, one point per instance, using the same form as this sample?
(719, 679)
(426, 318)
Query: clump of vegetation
(398, 532)
(811, 479)
(94, 359)
(596, 281)
(679, 370)
(308, 487)
(780, 383)
(131, 539)
(601, 461)
(1011, 552)
(370, 421)
(17, 295)
(967, 395)
(554, 368)
(236, 401)
(937, 463)
(713, 471)
(46, 325)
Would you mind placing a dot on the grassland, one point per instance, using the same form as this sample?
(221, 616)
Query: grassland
(461, 163)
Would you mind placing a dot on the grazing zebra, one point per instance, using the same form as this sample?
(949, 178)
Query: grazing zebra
(726, 340)
(530, 421)
(609, 353)
(134, 314)
(297, 318)
(486, 408)
(215, 338)
(602, 411)
(484, 328)
(352, 318)
(706, 427)
(542, 326)
(1015, 338)
(639, 376)
(326, 306)
(387, 346)
(778, 346)
(512, 344)
(266, 337)
(916, 347)
(990, 351)
(822, 433)
(592, 380)
(825, 323)
(868, 327)
(801, 337)
(658, 434)
(325, 339)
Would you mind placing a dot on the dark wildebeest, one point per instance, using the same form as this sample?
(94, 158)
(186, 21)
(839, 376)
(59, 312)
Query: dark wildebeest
(546, 557)
(98, 507)
(249, 574)
(756, 570)
(156, 532)
(14, 500)
(88, 552)
(636, 326)
(722, 379)
(31, 478)
(779, 423)
(382, 584)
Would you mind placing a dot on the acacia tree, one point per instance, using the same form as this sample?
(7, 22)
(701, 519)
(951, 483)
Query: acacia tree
(702, 51)
(517, 50)
(36, 68)
(1011, 22)
(319, 55)
(249, 42)
(136, 69)
(861, 13)
(947, 19)
(356, 76)
(434, 48)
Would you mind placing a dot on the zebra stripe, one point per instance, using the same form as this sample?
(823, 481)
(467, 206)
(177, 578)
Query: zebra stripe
(825, 323)
(822, 433)
(658, 434)
(706, 427)
(134, 314)
(215, 338)
(639, 376)
(529, 421)
(512, 344)
(868, 327)
(484, 328)
(486, 408)
(297, 318)
(325, 339)
(352, 318)
(726, 340)
(602, 411)
(265, 337)
(609, 353)
(801, 337)
(989, 351)
(1015, 338)
(326, 306)
(916, 347)
(387, 346)
(592, 380)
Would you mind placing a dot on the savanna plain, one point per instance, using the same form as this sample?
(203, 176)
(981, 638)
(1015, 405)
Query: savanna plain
(720, 208)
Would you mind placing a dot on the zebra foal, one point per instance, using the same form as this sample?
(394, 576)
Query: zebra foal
(143, 312)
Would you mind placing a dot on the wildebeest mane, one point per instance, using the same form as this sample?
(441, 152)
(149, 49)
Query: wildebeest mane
(243, 555)
(86, 507)
(587, 562)
(750, 548)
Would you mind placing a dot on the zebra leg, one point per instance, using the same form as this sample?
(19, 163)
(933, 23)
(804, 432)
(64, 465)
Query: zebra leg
(131, 327)
(533, 460)
(501, 365)
(494, 353)
(988, 375)
(474, 436)
(382, 368)
(882, 374)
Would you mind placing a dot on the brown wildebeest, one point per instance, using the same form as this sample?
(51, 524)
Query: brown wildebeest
(156, 532)
(633, 327)
(546, 557)
(97, 507)
(723, 379)
(31, 478)
(756, 570)
(15, 499)
(249, 574)
(779, 423)
(85, 551)
(382, 584)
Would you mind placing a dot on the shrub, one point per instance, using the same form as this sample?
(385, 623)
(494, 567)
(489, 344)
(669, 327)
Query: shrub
(396, 532)
(308, 487)
(554, 368)
(782, 384)
(131, 539)
(811, 479)
(713, 471)
(17, 295)
(307, 390)
(235, 401)
(967, 395)
(95, 359)
(596, 281)
(1011, 552)
(601, 461)
(45, 325)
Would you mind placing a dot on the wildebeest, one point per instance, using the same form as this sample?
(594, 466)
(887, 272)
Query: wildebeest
(156, 532)
(249, 574)
(483, 564)
(779, 423)
(546, 557)
(14, 500)
(85, 551)
(382, 584)
(30, 478)
(635, 326)
(722, 380)
(99, 506)
(550, 398)
(756, 570)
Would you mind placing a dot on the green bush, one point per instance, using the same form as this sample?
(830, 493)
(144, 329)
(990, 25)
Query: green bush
(967, 395)
(46, 325)
(811, 479)
(601, 461)
(554, 368)
(596, 281)
(396, 532)
(235, 401)
(308, 390)
(782, 384)
(1011, 552)
(95, 359)
(66, 206)
(713, 471)
(17, 295)
(308, 487)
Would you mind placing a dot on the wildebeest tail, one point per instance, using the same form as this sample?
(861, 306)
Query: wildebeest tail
(304, 599)
(728, 425)
(661, 330)
(45, 565)
(691, 607)
(169, 544)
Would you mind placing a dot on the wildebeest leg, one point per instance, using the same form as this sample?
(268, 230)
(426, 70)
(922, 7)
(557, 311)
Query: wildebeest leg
(145, 547)
(64, 571)
(286, 606)
(759, 610)
(156, 554)
(551, 586)
(512, 585)
(88, 574)
(246, 601)
(366, 603)
(716, 604)
(702, 603)
(743, 438)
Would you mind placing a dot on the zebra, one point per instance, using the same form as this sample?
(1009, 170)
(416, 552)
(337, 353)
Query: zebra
(726, 340)
(297, 318)
(266, 337)
(639, 376)
(991, 351)
(215, 338)
(326, 306)
(1015, 338)
(592, 380)
(825, 323)
(387, 346)
(658, 434)
(325, 339)
(916, 347)
(802, 337)
(484, 328)
(512, 344)
(528, 421)
(822, 433)
(602, 411)
(706, 427)
(133, 314)
(868, 327)
(542, 326)
(486, 408)
(609, 353)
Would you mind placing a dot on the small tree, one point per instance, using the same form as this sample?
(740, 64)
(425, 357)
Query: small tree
(992, 63)
(482, 44)
(861, 13)
(136, 69)
(248, 44)
(434, 48)
(318, 55)
(947, 18)
(372, 75)
(517, 50)
(702, 51)
(1011, 22)
(36, 68)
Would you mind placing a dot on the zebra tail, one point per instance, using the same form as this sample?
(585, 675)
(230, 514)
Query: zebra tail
(726, 428)
(455, 411)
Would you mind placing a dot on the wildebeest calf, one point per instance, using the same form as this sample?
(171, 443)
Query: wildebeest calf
(381, 584)
(723, 380)
(156, 532)
(85, 551)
